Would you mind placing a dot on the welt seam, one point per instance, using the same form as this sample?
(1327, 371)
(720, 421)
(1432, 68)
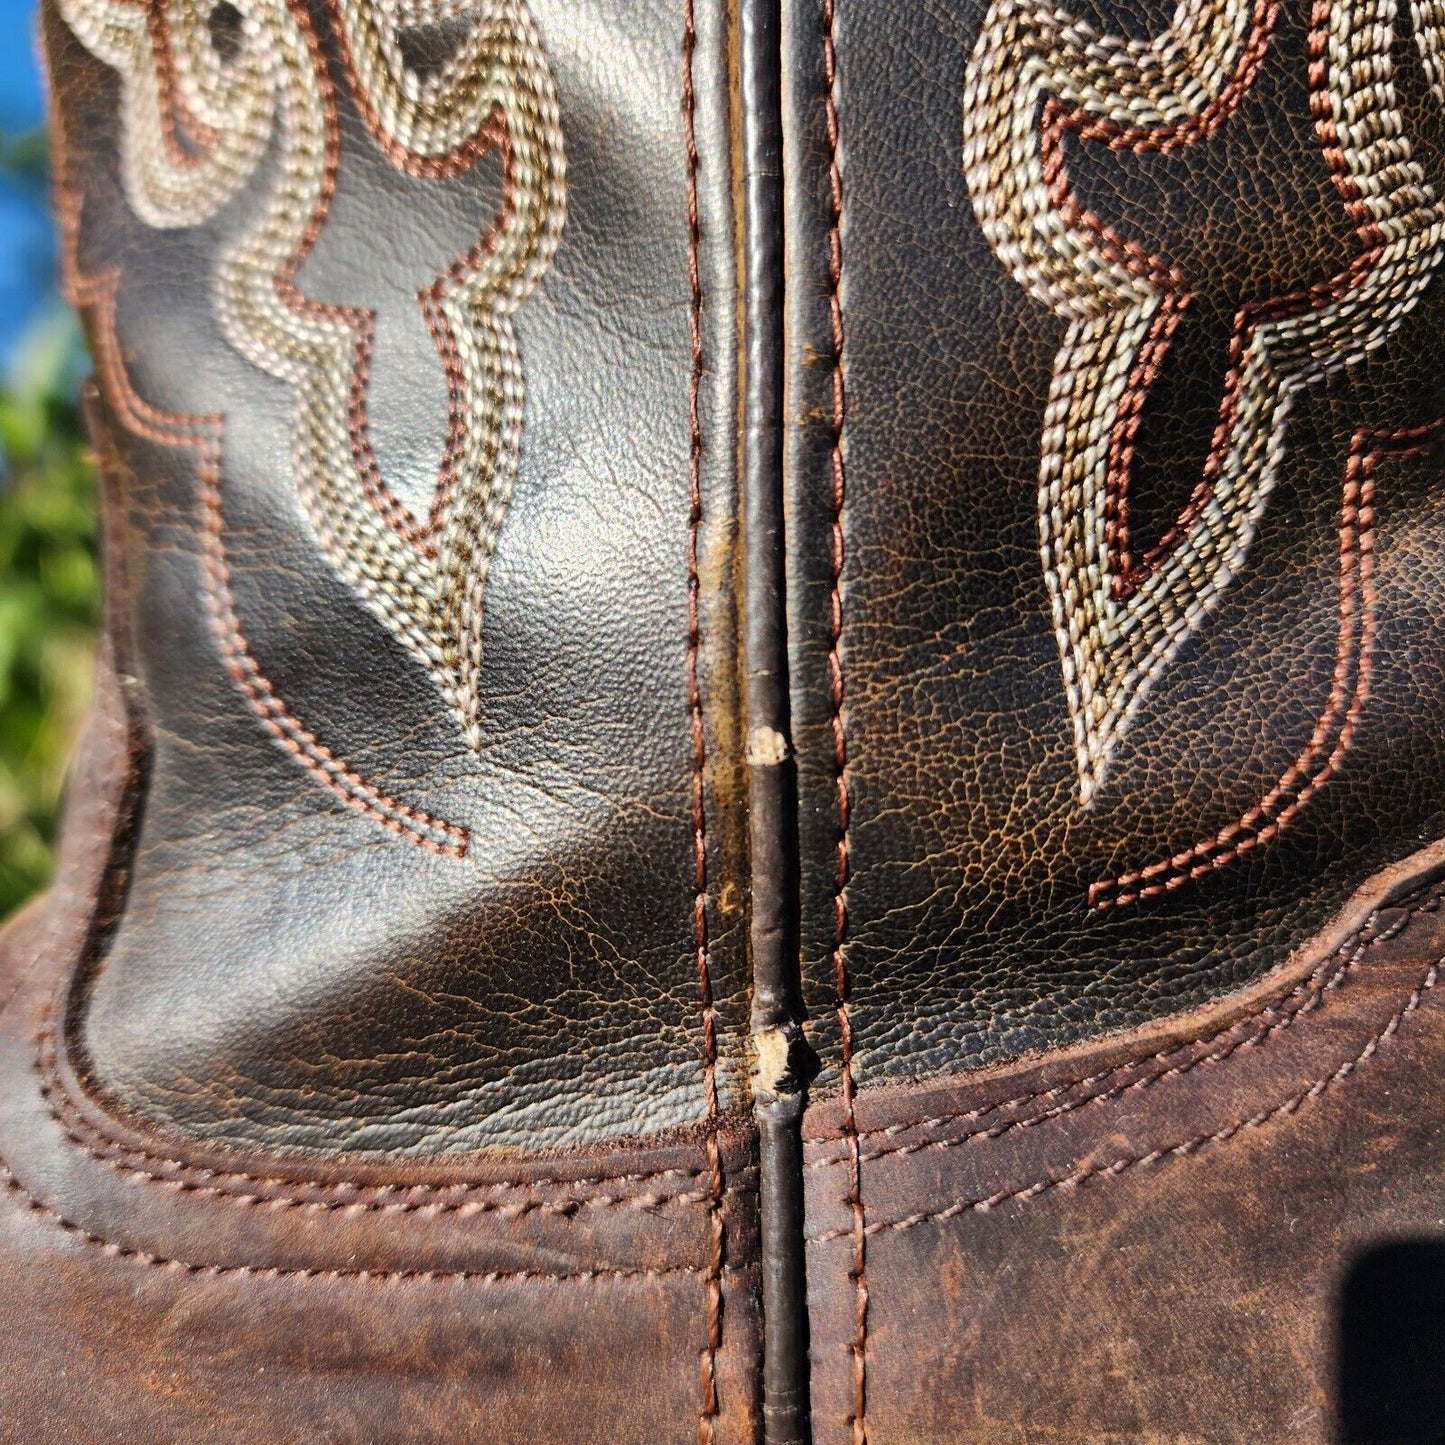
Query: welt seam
(1186, 1148)
(1310, 994)
(429, 1197)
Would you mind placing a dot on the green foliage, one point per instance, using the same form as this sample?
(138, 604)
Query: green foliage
(49, 597)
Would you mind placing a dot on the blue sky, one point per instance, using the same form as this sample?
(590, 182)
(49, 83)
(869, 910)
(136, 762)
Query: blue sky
(26, 261)
(19, 86)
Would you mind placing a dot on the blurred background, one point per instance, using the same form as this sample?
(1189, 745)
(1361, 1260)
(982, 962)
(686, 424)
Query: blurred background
(49, 595)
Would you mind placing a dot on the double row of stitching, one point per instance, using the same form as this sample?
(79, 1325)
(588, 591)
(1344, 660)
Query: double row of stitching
(201, 435)
(417, 1276)
(1305, 998)
(539, 1195)
(1335, 729)
(1185, 1148)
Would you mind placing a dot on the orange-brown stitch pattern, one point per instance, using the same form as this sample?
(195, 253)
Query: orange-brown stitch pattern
(201, 435)
(1293, 792)
(858, 1416)
(423, 535)
(175, 117)
(1121, 1164)
(1058, 120)
(709, 1407)
(431, 167)
(1119, 626)
(1174, 1062)
(426, 587)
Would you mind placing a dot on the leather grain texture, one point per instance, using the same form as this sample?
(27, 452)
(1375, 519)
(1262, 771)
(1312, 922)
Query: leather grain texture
(288, 965)
(1148, 1240)
(983, 909)
(656, 547)
(151, 1293)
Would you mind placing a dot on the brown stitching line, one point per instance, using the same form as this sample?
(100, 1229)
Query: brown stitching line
(1274, 1018)
(421, 534)
(1125, 577)
(97, 295)
(857, 1417)
(1194, 862)
(293, 736)
(1173, 872)
(1313, 297)
(436, 1199)
(444, 339)
(136, 1159)
(1184, 1149)
(180, 1266)
(1228, 844)
(1354, 652)
(201, 435)
(709, 1407)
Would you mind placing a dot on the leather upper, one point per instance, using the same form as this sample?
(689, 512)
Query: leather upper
(1157, 488)
(349, 924)
(771, 724)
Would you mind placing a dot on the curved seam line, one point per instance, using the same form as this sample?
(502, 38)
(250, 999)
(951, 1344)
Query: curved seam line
(1185, 1149)
(415, 1199)
(66, 1117)
(1332, 974)
(140, 1256)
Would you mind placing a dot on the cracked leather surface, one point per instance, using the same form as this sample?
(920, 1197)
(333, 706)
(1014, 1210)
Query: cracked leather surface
(371, 1075)
(285, 968)
(970, 938)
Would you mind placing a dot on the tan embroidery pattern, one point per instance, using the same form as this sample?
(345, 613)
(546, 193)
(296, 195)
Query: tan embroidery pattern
(424, 578)
(1349, 688)
(202, 437)
(1037, 72)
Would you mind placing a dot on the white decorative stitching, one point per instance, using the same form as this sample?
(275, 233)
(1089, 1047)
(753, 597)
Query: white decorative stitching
(194, 126)
(1118, 627)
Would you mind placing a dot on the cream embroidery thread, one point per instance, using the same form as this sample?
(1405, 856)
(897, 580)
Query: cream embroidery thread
(424, 578)
(1036, 70)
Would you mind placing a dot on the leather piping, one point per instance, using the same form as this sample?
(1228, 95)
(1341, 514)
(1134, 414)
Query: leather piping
(784, 1063)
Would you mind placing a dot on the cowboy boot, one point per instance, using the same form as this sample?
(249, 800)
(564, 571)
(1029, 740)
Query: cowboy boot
(768, 744)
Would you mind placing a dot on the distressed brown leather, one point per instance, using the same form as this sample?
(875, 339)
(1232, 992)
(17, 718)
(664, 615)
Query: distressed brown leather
(965, 626)
(1173, 1261)
(1066, 1250)
(151, 1290)
(306, 925)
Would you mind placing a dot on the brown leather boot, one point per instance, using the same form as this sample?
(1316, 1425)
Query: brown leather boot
(772, 731)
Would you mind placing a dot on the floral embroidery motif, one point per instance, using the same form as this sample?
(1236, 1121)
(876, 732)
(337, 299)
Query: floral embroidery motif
(197, 115)
(1036, 73)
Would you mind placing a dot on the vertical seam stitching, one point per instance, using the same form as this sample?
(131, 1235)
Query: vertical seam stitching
(708, 1407)
(858, 1415)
